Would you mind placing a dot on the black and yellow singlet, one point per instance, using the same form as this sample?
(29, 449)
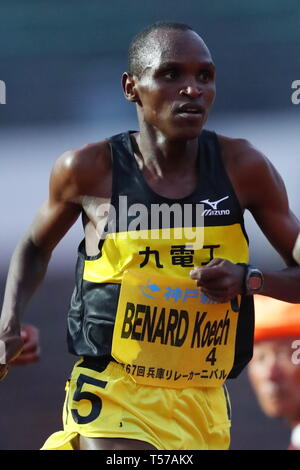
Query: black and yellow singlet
(143, 249)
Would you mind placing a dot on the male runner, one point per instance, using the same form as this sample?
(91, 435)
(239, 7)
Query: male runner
(155, 349)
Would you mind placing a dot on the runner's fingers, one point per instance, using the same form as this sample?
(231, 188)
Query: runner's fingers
(208, 274)
(3, 371)
(218, 295)
(218, 285)
(29, 347)
(30, 336)
(215, 262)
(10, 348)
(27, 358)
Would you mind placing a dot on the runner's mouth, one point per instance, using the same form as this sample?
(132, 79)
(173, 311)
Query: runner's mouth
(190, 111)
(189, 108)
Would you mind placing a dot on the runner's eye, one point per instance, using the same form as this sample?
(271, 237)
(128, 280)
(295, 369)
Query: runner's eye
(204, 76)
(171, 74)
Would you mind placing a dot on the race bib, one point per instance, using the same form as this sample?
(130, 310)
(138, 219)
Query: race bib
(168, 333)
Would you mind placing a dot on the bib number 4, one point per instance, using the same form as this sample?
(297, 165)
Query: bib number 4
(211, 357)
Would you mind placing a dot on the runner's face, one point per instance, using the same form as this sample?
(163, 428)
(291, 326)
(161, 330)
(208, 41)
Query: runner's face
(275, 378)
(177, 86)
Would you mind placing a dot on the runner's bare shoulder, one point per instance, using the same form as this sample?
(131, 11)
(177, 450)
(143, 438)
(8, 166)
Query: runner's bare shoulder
(83, 171)
(240, 152)
(250, 171)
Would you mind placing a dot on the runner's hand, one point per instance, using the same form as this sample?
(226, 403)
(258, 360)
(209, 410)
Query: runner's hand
(220, 280)
(3, 371)
(31, 348)
(11, 345)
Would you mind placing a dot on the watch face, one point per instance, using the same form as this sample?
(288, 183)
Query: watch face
(254, 282)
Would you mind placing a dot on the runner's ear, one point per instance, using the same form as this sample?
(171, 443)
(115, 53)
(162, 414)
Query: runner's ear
(129, 88)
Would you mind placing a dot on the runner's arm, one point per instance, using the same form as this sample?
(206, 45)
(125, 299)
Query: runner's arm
(261, 190)
(270, 208)
(30, 259)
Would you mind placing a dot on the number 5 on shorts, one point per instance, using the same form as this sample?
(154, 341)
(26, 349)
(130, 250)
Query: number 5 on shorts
(96, 401)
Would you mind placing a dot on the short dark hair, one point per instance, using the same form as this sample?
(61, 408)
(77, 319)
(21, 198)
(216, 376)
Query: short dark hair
(139, 46)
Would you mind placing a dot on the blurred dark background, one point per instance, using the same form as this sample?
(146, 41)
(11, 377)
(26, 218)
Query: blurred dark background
(61, 62)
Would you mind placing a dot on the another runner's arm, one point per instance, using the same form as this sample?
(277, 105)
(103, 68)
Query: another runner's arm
(31, 256)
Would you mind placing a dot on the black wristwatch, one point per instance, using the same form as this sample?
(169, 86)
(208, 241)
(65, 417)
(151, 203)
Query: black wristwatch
(253, 279)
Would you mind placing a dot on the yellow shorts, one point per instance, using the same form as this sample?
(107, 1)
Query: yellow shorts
(108, 403)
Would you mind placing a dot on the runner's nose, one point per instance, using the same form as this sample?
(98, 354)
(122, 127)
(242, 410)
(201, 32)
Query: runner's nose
(193, 91)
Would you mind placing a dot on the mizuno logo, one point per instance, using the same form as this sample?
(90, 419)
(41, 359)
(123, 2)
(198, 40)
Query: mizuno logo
(214, 204)
(214, 207)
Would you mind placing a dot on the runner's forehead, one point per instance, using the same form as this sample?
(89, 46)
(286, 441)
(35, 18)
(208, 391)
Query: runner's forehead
(176, 47)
